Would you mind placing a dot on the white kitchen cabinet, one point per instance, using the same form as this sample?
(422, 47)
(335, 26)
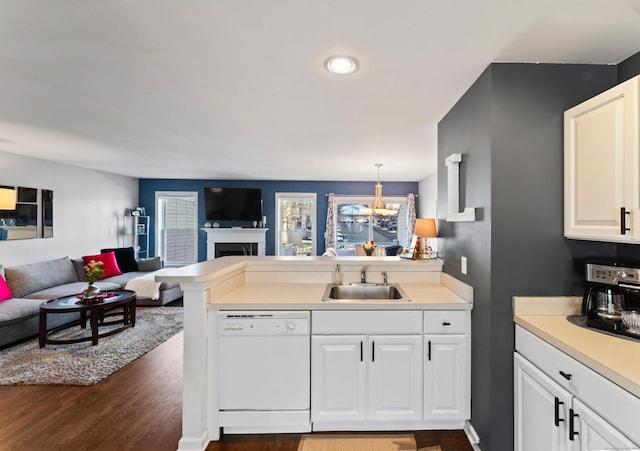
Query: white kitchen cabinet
(541, 409)
(366, 368)
(560, 404)
(338, 378)
(366, 378)
(446, 365)
(601, 170)
(592, 432)
(395, 378)
(445, 377)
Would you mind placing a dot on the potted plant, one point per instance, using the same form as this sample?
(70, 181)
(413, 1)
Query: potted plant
(369, 247)
(94, 270)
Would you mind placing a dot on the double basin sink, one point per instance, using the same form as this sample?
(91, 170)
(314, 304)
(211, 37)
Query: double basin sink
(364, 292)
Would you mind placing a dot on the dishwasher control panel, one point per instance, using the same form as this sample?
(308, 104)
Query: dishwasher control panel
(264, 323)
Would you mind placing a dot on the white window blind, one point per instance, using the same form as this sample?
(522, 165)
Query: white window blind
(177, 228)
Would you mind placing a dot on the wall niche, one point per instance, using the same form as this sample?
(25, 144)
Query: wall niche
(30, 217)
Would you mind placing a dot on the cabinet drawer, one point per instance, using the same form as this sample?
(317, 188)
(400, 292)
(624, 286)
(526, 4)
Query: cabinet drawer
(366, 322)
(444, 322)
(614, 404)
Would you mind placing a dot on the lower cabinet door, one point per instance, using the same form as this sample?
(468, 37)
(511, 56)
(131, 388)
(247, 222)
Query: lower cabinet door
(445, 377)
(541, 410)
(395, 378)
(592, 432)
(338, 378)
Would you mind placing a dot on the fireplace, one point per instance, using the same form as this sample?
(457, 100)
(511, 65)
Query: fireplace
(235, 241)
(224, 249)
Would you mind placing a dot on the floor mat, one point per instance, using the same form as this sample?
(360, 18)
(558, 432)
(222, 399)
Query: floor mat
(357, 442)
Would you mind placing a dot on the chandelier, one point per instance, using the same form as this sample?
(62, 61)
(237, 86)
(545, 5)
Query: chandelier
(378, 207)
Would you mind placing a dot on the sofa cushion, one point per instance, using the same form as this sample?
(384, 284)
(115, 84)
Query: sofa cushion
(69, 289)
(126, 277)
(109, 263)
(149, 264)
(126, 258)
(15, 310)
(34, 277)
(5, 290)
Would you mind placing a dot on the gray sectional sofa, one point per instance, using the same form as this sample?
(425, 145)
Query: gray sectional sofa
(34, 283)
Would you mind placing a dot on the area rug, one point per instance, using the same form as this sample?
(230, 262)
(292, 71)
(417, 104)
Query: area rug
(83, 364)
(357, 442)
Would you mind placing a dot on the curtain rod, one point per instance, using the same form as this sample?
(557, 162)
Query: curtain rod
(367, 195)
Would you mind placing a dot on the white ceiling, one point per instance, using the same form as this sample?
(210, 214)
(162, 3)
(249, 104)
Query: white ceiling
(236, 89)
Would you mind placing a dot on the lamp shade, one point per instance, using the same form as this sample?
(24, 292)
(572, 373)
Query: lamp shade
(7, 199)
(426, 228)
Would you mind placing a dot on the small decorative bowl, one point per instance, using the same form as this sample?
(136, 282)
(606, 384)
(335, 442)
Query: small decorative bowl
(631, 319)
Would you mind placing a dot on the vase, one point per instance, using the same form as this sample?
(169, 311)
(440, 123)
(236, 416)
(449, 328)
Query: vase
(90, 292)
(369, 253)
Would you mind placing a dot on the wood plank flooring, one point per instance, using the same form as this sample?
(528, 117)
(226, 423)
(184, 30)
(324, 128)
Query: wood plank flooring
(137, 408)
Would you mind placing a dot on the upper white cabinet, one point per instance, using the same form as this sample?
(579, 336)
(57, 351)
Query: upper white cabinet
(601, 166)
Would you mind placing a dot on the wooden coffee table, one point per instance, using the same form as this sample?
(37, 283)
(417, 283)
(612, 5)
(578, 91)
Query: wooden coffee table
(116, 303)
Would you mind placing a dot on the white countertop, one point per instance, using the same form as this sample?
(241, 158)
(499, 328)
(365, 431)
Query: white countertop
(616, 358)
(308, 296)
(274, 283)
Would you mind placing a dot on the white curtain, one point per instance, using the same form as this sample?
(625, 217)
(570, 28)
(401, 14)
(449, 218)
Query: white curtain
(411, 219)
(330, 231)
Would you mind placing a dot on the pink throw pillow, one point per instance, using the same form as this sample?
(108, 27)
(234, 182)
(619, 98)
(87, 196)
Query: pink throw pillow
(5, 291)
(109, 263)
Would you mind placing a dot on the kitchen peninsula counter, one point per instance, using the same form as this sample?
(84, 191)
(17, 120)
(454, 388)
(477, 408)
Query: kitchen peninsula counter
(283, 283)
(615, 358)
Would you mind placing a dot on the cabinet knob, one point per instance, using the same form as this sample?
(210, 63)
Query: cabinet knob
(446, 323)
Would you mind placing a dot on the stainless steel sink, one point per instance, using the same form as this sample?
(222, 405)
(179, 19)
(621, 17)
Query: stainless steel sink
(364, 292)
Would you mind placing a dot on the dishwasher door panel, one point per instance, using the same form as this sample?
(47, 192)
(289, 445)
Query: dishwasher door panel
(264, 372)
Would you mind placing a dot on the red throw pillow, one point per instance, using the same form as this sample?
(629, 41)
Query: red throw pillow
(109, 263)
(5, 291)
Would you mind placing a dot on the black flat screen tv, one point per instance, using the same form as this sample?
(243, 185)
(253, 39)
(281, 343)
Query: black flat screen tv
(233, 204)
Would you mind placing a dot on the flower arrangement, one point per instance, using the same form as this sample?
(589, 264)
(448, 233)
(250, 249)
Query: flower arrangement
(369, 247)
(94, 270)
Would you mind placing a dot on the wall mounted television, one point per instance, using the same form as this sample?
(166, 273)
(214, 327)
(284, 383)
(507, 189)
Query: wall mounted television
(233, 204)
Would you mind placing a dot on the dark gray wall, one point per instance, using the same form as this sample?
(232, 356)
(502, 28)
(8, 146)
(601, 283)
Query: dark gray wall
(467, 130)
(629, 68)
(508, 126)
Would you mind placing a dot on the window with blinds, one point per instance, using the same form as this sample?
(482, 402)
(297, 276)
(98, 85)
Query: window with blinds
(177, 228)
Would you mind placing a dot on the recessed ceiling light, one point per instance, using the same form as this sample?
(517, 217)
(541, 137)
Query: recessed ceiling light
(341, 65)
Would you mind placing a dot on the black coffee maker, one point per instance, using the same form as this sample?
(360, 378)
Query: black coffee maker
(611, 290)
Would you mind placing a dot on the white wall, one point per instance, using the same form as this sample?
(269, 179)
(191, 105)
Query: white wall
(428, 196)
(427, 201)
(88, 207)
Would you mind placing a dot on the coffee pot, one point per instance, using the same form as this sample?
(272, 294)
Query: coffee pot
(603, 301)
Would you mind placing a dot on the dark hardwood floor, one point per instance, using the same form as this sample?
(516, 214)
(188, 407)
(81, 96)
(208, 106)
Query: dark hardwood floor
(137, 408)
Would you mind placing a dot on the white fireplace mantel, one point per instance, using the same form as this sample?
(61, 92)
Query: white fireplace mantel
(234, 235)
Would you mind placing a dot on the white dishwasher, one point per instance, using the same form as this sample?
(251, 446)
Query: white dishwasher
(264, 371)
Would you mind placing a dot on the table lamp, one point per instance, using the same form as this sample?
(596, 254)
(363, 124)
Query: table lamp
(7, 199)
(425, 228)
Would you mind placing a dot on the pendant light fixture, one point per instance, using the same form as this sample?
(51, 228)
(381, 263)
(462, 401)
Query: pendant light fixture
(378, 207)
(377, 200)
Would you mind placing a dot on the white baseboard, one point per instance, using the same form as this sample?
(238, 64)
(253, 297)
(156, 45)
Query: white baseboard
(472, 436)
